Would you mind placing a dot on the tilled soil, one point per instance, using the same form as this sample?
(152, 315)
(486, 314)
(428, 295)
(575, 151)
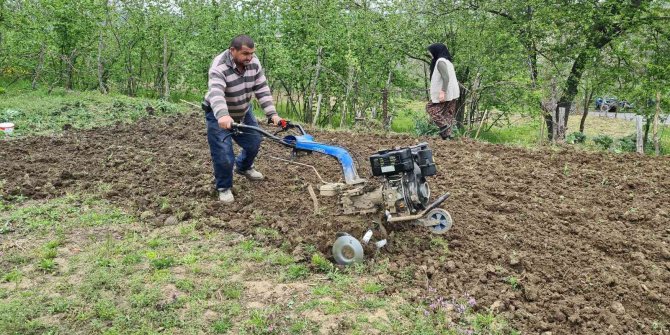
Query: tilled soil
(553, 239)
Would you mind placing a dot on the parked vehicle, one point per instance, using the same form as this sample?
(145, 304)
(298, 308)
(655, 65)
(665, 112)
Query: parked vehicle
(612, 104)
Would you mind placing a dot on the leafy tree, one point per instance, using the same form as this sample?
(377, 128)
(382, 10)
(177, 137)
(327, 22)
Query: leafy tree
(360, 56)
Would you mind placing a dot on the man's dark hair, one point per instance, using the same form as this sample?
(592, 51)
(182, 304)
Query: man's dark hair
(242, 40)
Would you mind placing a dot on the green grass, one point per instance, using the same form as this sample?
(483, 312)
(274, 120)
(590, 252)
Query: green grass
(525, 134)
(71, 210)
(163, 262)
(525, 131)
(80, 278)
(513, 282)
(405, 119)
(222, 326)
(618, 130)
(321, 263)
(40, 113)
(296, 272)
(373, 288)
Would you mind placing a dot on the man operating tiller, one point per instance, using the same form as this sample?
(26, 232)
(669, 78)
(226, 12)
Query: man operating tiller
(234, 76)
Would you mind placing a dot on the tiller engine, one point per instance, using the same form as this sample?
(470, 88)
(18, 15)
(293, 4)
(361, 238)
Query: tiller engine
(404, 194)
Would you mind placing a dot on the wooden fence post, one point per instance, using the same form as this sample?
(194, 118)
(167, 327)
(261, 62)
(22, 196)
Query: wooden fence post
(640, 134)
(560, 126)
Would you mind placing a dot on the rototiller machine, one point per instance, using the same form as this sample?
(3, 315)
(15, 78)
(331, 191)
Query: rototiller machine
(404, 195)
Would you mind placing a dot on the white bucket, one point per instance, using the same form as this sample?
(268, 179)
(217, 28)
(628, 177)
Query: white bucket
(7, 127)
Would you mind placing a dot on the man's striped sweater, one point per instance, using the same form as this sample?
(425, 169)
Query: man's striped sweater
(230, 90)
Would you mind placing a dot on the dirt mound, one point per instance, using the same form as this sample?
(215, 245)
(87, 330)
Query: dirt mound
(555, 240)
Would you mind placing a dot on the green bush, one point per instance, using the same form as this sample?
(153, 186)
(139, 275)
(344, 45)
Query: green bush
(423, 126)
(2, 90)
(164, 107)
(628, 143)
(603, 141)
(9, 115)
(576, 137)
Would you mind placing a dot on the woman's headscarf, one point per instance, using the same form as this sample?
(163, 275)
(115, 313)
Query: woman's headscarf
(438, 50)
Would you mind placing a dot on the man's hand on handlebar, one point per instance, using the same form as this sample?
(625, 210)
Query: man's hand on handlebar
(226, 122)
(277, 120)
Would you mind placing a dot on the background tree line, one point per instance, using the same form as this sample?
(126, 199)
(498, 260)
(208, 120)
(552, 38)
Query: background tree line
(336, 62)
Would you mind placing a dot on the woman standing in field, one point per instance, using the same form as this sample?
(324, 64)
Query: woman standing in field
(444, 90)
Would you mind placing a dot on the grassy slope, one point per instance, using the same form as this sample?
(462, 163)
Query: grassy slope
(36, 113)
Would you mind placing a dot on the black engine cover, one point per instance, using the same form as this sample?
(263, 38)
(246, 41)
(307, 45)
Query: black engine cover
(398, 161)
(391, 162)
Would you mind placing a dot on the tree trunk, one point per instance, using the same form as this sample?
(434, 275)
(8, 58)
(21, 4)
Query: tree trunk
(529, 44)
(548, 108)
(39, 67)
(346, 107)
(130, 81)
(101, 67)
(166, 60)
(460, 103)
(277, 96)
(532, 60)
(290, 107)
(425, 82)
(308, 112)
(318, 109)
(333, 105)
(657, 140)
(647, 126)
(549, 122)
(472, 106)
(386, 121)
(215, 20)
(69, 75)
(571, 86)
(354, 101)
(300, 98)
(542, 125)
(639, 139)
(588, 95)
